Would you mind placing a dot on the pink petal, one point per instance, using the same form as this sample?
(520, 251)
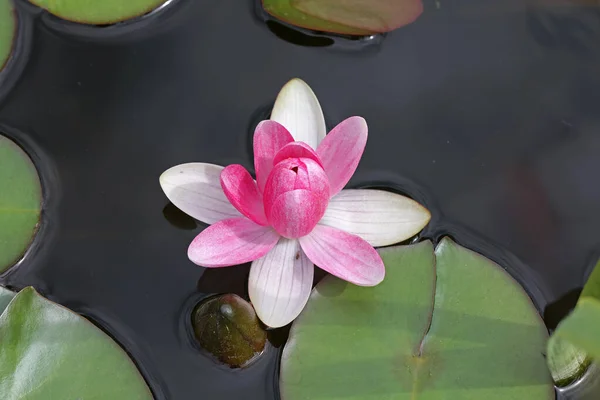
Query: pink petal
(269, 138)
(242, 192)
(341, 150)
(231, 242)
(295, 213)
(296, 150)
(280, 283)
(344, 255)
(294, 174)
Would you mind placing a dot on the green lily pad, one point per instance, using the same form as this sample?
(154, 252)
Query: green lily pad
(566, 360)
(5, 297)
(370, 15)
(48, 352)
(444, 325)
(592, 286)
(20, 202)
(285, 11)
(582, 327)
(227, 327)
(8, 29)
(98, 12)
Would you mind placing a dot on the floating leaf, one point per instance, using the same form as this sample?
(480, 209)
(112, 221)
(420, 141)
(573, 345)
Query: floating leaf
(5, 297)
(227, 327)
(582, 327)
(8, 28)
(369, 15)
(284, 11)
(592, 286)
(567, 361)
(98, 12)
(20, 202)
(48, 352)
(458, 328)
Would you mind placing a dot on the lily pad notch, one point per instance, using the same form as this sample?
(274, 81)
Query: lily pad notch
(105, 12)
(20, 202)
(443, 324)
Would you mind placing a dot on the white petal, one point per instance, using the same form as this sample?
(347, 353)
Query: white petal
(297, 108)
(280, 283)
(195, 189)
(379, 217)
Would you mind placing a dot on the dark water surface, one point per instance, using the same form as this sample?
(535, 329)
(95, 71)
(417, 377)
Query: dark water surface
(488, 114)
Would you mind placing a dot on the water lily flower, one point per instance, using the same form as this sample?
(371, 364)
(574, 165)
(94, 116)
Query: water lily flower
(296, 213)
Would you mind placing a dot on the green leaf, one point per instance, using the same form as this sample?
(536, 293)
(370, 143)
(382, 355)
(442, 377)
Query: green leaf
(459, 328)
(582, 327)
(567, 363)
(5, 297)
(48, 352)
(592, 286)
(98, 12)
(8, 27)
(285, 11)
(226, 326)
(370, 15)
(20, 202)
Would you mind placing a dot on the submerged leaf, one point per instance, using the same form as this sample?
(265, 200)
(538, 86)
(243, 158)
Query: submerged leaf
(285, 11)
(8, 27)
(446, 325)
(48, 352)
(20, 202)
(95, 12)
(370, 15)
(582, 327)
(227, 327)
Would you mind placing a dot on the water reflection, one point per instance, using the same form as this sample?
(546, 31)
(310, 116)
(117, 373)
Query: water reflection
(309, 38)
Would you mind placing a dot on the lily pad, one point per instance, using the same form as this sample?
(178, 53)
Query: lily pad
(285, 11)
(5, 297)
(592, 286)
(444, 325)
(20, 202)
(370, 15)
(227, 327)
(567, 359)
(95, 12)
(567, 363)
(582, 327)
(48, 352)
(8, 29)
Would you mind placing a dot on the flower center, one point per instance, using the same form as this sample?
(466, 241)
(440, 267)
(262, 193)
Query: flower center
(296, 196)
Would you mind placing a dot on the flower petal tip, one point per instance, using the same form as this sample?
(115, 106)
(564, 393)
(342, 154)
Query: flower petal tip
(195, 189)
(298, 109)
(280, 283)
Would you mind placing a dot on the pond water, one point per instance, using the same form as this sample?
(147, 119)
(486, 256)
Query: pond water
(487, 114)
